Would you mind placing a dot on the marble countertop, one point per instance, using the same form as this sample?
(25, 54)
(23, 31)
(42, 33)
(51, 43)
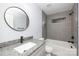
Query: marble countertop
(9, 50)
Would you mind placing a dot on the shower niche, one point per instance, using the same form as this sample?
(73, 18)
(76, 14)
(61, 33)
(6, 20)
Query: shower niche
(57, 20)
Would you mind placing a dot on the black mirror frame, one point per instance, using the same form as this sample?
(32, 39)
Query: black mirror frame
(7, 22)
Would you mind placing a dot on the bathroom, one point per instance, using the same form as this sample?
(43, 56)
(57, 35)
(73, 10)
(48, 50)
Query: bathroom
(45, 27)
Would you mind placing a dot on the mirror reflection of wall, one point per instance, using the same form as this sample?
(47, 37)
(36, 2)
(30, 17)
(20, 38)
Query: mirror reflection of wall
(16, 18)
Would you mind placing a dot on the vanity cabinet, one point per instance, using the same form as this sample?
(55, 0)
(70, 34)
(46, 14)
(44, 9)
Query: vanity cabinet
(40, 51)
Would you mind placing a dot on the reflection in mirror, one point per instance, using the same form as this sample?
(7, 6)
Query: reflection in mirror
(16, 18)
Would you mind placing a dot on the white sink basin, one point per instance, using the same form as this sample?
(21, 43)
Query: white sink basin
(25, 47)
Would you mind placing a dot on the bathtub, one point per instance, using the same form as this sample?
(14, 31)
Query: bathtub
(61, 48)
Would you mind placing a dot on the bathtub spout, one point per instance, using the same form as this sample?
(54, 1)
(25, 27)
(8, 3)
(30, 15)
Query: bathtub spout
(71, 42)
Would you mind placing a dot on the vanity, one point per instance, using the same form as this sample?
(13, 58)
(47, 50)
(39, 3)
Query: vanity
(37, 50)
(18, 20)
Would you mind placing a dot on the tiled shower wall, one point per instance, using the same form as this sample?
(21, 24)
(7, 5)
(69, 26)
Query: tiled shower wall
(44, 25)
(75, 24)
(78, 29)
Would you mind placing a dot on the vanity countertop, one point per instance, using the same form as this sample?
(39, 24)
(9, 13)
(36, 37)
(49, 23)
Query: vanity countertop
(9, 50)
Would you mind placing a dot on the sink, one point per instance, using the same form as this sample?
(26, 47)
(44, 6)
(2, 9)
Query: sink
(25, 47)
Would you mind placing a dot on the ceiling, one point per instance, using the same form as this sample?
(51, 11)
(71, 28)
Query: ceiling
(52, 8)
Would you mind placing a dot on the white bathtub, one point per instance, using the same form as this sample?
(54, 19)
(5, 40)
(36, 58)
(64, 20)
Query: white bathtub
(61, 48)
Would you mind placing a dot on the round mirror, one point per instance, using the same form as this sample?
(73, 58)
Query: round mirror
(16, 18)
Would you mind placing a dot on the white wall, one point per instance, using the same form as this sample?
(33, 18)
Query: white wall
(61, 30)
(35, 26)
